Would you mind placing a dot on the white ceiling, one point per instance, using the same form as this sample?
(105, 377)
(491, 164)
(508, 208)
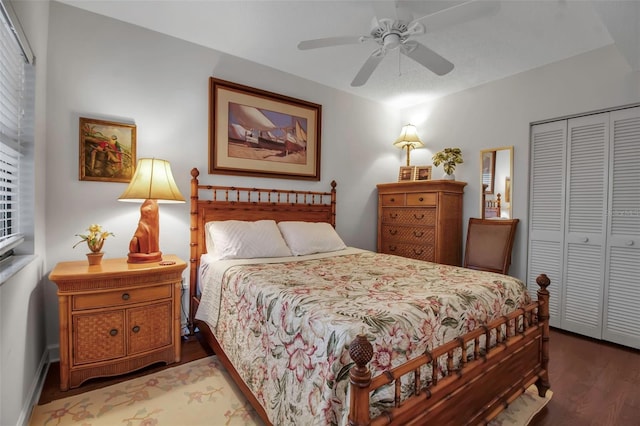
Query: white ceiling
(506, 38)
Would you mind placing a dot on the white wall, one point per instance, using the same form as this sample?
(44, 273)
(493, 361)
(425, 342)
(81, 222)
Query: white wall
(106, 69)
(499, 113)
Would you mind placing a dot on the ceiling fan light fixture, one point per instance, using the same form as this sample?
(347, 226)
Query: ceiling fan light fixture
(392, 40)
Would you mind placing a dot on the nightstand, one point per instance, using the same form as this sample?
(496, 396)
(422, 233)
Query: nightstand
(117, 317)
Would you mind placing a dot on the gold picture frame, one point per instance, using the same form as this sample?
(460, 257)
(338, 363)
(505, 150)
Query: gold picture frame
(406, 173)
(422, 173)
(107, 150)
(253, 132)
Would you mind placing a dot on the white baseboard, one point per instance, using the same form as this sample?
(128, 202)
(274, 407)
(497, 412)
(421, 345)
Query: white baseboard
(35, 390)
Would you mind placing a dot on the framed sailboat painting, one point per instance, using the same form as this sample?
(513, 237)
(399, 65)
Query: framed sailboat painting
(253, 132)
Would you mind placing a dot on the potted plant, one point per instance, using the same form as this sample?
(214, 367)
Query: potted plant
(449, 158)
(95, 240)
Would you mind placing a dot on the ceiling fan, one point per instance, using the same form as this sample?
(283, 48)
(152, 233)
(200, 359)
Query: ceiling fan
(397, 33)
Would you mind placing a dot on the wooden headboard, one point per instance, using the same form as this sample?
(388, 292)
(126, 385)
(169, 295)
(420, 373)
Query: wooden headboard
(209, 203)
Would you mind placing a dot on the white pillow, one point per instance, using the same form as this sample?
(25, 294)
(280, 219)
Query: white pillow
(238, 239)
(310, 237)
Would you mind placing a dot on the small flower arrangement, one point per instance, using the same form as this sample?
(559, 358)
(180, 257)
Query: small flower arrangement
(95, 238)
(449, 158)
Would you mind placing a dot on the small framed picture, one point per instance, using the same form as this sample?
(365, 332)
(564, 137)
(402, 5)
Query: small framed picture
(406, 173)
(107, 150)
(422, 173)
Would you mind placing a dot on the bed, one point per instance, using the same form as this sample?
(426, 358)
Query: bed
(354, 361)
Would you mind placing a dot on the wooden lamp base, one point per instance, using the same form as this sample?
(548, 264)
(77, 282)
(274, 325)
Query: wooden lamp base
(144, 257)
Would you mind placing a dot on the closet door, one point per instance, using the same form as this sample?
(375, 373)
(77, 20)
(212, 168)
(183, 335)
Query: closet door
(622, 290)
(585, 224)
(546, 210)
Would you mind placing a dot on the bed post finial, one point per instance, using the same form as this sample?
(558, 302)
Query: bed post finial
(361, 352)
(543, 317)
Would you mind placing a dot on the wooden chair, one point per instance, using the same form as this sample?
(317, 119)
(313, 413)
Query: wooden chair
(489, 244)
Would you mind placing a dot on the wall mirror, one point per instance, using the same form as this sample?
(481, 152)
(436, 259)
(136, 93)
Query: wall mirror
(496, 170)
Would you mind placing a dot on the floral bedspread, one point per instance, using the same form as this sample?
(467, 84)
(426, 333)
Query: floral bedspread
(286, 326)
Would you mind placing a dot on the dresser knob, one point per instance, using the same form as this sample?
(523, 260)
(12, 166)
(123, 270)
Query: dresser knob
(421, 199)
(393, 231)
(417, 252)
(418, 234)
(418, 217)
(392, 248)
(392, 199)
(113, 332)
(629, 243)
(125, 296)
(393, 215)
(135, 328)
(585, 239)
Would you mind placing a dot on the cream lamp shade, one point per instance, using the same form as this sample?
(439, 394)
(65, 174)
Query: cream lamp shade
(152, 183)
(408, 139)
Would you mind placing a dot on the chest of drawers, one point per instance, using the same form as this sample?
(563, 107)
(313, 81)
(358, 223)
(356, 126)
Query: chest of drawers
(117, 317)
(421, 220)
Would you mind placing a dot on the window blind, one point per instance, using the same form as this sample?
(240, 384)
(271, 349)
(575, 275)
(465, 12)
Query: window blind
(12, 90)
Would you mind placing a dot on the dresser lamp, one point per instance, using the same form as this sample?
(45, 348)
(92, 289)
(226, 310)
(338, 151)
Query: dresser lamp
(152, 183)
(408, 139)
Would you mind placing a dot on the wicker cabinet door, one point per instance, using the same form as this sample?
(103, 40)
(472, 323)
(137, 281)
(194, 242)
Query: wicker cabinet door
(149, 327)
(98, 337)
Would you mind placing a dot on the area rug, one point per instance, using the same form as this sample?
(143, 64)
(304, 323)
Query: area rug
(198, 393)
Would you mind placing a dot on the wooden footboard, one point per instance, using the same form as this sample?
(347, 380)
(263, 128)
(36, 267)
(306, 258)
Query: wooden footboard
(474, 388)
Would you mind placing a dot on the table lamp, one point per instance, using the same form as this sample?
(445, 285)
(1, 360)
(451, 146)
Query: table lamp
(408, 139)
(152, 183)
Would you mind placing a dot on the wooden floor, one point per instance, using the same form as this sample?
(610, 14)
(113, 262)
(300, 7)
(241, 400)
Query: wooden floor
(593, 383)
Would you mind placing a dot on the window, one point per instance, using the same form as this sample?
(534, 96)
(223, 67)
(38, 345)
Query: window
(16, 118)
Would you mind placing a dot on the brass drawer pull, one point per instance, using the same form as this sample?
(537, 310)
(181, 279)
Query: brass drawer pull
(125, 296)
(417, 252)
(418, 217)
(393, 231)
(113, 332)
(418, 234)
(136, 328)
(393, 215)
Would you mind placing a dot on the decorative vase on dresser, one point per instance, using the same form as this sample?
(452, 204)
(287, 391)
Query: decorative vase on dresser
(421, 220)
(117, 317)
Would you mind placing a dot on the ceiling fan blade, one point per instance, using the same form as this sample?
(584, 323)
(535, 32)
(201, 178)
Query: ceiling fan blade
(331, 41)
(368, 67)
(458, 14)
(426, 57)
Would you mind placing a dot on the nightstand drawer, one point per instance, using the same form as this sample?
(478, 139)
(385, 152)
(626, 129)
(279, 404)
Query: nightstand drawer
(422, 199)
(120, 297)
(393, 200)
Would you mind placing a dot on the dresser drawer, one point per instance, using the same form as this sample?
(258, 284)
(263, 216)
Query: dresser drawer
(120, 297)
(422, 199)
(392, 200)
(414, 251)
(406, 216)
(413, 235)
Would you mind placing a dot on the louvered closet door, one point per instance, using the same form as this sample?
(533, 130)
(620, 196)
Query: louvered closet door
(585, 224)
(546, 224)
(622, 292)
